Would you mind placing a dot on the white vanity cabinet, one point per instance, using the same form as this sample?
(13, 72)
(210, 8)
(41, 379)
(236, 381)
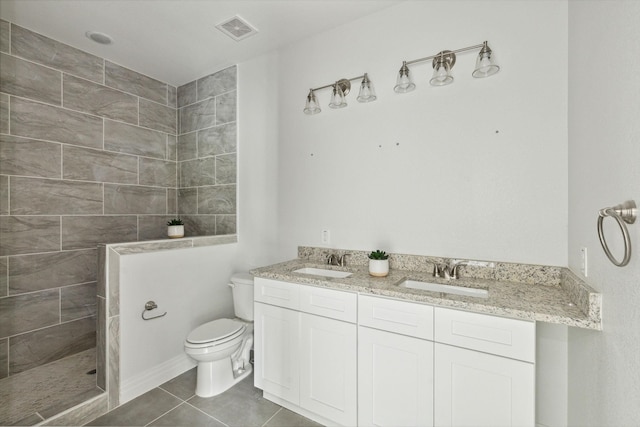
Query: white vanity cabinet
(395, 363)
(484, 370)
(306, 349)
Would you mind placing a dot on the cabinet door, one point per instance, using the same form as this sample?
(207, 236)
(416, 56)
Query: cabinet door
(395, 379)
(479, 389)
(328, 373)
(276, 332)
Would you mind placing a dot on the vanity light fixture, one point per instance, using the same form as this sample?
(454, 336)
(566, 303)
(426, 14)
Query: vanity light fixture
(443, 62)
(340, 89)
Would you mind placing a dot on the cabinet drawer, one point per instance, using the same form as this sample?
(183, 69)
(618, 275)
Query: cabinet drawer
(402, 317)
(278, 293)
(496, 335)
(329, 303)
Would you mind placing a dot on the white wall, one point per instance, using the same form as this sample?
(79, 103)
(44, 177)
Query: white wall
(477, 169)
(604, 169)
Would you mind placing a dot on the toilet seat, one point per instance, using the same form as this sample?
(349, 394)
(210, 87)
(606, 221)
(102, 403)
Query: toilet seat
(215, 332)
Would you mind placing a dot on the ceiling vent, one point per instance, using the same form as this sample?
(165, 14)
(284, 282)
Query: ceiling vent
(237, 28)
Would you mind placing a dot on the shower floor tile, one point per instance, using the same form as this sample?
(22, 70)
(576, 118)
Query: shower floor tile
(32, 396)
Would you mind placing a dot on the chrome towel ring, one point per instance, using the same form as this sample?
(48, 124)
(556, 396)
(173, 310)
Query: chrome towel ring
(151, 305)
(624, 213)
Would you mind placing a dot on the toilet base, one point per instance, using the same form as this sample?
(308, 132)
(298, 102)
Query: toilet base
(216, 377)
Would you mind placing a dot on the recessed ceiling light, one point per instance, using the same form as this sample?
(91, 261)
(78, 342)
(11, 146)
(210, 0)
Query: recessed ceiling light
(237, 28)
(100, 38)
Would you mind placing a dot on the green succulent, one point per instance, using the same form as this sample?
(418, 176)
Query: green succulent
(175, 221)
(378, 254)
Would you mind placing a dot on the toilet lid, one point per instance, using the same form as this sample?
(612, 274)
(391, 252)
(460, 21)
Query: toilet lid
(215, 330)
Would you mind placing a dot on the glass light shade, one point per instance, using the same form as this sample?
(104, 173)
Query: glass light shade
(337, 98)
(367, 93)
(485, 65)
(403, 82)
(441, 74)
(312, 106)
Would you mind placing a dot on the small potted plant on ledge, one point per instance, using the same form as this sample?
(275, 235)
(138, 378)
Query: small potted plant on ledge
(378, 263)
(175, 228)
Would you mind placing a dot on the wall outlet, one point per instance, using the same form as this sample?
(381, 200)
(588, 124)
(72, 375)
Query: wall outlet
(583, 262)
(325, 237)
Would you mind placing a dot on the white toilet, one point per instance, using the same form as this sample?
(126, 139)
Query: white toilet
(222, 347)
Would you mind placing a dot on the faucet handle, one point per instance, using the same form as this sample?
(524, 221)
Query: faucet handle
(436, 270)
(342, 260)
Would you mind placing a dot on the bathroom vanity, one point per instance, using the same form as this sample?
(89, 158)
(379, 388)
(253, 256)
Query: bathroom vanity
(358, 350)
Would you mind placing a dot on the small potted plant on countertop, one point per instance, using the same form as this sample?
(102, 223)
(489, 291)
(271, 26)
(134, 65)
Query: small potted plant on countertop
(378, 263)
(175, 228)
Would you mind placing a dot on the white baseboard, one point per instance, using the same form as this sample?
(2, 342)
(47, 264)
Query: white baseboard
(154, 376)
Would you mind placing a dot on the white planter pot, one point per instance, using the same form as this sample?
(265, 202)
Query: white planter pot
(175, 231)
(379, 267)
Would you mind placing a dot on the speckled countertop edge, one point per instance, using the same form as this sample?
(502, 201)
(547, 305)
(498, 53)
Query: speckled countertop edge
(558, 303)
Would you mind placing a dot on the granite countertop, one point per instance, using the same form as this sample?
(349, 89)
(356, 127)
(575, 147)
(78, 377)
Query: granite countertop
(568, 302)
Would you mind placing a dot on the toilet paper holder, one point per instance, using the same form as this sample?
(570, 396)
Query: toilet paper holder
(151, 305)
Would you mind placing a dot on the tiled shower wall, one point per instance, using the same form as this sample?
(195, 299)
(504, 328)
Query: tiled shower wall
(89, 155)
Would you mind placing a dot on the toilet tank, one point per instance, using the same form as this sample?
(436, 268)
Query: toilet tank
(242, 288)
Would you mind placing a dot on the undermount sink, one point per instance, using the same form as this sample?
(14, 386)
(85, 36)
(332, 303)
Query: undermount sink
(447, 289)
(323, 272)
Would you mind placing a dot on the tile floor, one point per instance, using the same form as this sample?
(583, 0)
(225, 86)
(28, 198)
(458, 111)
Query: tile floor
(37, 394)
(174, 403)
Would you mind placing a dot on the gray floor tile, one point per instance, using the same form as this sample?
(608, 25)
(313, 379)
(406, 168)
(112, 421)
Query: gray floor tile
(182, 386)
(186, 415)
(286, 418)
(139, 411)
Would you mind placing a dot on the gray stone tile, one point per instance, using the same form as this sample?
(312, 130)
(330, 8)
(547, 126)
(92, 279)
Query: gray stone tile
(4, 195)
(199, 116)
(4, 113)
(159, 173)
(36, 196)
(90, 97)
(80, 232)
(188, 201)
(25, 234)
(183, 386)
(41, 121)
(198, 172)
(139, 411)
(152, 227)
(100, 166)
(133, 82)
(129, 139)
(113, 352)
(114, 283)
(5, 38)
(29, 273)
(287, 418)
(217, 83)
(26, 79)
(187, 94)
(172, 201)
(43, 50)
(172, 96)
(217, 140)
(217, 200)
(131, 199)
(172, 147)
(199, 225)
(4, 357)
(77, 301)
(101, 343)
(81, 415)
(22, 313)
(100, 271)
(28, 157)
(226, 224)
(226, 169)
(43, 346)
(186, 415)
(241, 405)
(157, 116)
(188, 146)
(4, 276)
(29, 420)
(225, 108)
(68, 401)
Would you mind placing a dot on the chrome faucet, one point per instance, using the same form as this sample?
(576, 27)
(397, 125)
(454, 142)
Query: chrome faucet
(447, 271)
(334, 259)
